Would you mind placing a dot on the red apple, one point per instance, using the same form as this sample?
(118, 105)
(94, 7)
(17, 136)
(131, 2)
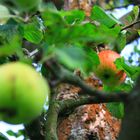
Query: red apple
(107, 70)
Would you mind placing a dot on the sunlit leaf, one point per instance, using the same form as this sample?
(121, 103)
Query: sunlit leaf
(101, 16)
(32, 33)
(131, 71)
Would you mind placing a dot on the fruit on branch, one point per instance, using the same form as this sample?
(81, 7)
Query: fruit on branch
(107, 70)
(26, 4)
(23, 93)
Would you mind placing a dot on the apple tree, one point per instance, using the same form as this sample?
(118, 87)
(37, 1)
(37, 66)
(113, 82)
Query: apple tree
(62, 72)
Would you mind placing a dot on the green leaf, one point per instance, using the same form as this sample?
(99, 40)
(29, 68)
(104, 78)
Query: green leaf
(119, 88)
(131, 17)
(11, 133)
(81, 33)
(66, 27)
(136, 12)
(72, 57)
(136, 49)
(11, 47)
(77, 58)
(73, 16)
(98, 14)
(52, 18)
(116, 109)
(15, 134)
(138, 32)
(32, 33)
(8, 30)
(120, 41)
(131, 71)
(92, 59)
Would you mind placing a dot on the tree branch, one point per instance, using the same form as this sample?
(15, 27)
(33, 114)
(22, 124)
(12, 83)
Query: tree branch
(73, 103)
(76, 81)
(51, 122)
(129, 26)
(52, 116)
(131, 122)
(133, 34)
(65, 76)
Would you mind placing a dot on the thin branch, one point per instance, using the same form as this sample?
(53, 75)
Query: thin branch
(65, 76)
(51, 122)
(52, 116)
(72, 103)
(129, 26)
(86, 89)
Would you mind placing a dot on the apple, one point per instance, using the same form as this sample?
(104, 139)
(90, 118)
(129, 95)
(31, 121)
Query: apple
(107, 70)
(23, 93)
(26, 5)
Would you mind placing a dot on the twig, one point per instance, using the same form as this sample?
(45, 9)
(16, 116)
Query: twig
(129, 26)
(51, 121)
(65, 76)
(86, 89)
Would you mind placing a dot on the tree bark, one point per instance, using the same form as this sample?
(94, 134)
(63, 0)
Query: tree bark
(131, 123)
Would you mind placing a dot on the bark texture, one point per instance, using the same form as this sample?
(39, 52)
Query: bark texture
(87, 122)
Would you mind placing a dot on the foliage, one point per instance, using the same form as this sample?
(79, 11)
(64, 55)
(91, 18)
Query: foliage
(67, 36)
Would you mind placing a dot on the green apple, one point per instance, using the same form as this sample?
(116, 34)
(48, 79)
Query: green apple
(27, 4)
(23, 93)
